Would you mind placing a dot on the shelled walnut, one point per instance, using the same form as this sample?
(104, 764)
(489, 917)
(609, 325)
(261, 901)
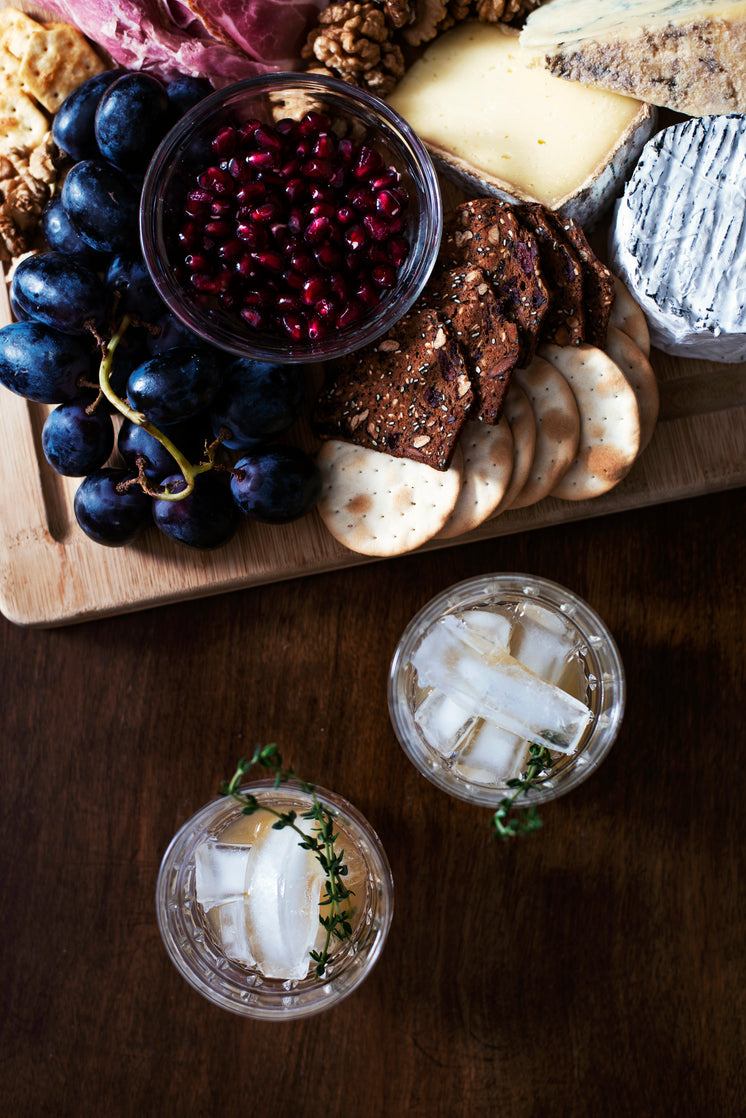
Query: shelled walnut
(355, 42)
(27, 179)
(504, 11)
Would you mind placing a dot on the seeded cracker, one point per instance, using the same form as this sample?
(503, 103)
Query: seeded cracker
(486, 234)
(379, 505)
(408, 394)
(464, 298)
(598, 282)
(564, 323)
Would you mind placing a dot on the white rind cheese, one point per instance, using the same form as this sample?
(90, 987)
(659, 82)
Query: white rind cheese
(678, 238)
(500, 126)
(687, 55)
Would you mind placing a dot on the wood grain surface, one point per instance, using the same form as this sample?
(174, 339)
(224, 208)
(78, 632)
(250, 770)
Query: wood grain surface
(596, 967)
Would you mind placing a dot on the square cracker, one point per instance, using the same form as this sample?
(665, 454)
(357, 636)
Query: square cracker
(16, 28)
(22, 124)
(56, 61)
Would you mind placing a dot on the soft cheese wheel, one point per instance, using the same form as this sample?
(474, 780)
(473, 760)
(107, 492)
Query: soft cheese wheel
(678, 238)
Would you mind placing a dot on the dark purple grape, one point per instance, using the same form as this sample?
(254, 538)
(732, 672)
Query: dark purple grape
(106, 514)
(172, 332)
(278, 485)
(258, 401)
(76, 441)
(103, 206)
(184, 93)
(61, 236)
(134, 442)
(43, 364)
(131, 120)
(73, 125)
(137, 293)
(176, 385)
(206, 519)
(59, 291)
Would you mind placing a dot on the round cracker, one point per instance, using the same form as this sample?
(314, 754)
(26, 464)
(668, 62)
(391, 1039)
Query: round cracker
(627, 315)
(487, 450)
(625, 353)
(376, 504)
(520, 416)
(557, 429)
(609, 420)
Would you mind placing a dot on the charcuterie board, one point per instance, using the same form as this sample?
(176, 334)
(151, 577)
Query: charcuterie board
(52, 574)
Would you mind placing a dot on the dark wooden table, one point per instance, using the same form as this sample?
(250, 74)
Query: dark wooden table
(595, 968)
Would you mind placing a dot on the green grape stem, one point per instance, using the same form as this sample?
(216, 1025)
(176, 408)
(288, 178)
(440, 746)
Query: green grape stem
(189, 471)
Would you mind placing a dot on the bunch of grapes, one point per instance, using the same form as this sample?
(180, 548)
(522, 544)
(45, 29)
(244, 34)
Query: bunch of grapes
(194, 449)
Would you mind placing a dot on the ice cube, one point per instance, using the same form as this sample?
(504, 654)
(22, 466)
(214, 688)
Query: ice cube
(490, 682)
(491, 755)
(233, 931)
(543, 641)
(220, 872)
(487, 623)
(283, 885)
(443, 722)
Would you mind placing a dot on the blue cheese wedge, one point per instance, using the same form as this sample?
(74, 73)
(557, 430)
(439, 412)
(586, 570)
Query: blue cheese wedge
(678, 238)
(687, 55)
(500, 126)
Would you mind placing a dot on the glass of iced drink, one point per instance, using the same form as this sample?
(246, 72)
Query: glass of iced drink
(494, 666)
(239, 902)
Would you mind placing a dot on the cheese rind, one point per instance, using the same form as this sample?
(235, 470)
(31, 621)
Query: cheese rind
(678, 238)
(687, 55)
(503, 127)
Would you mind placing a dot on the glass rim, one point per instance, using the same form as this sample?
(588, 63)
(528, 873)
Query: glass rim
(412, 279)
(611, 684)
(258, 997)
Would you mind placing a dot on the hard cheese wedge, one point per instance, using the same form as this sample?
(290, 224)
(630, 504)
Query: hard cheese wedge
(688, 55)
(507, 128)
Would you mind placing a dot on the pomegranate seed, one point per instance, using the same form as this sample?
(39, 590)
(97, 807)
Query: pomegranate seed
(267, 138)
(328, 256)
(322, 209)
(253, 235)
(362, 199)
(219, 228)
(262, 160)
(255, 299)
(303, 262)
(254, 317)
(398, 250)
(294, 324)
(230, 251)
(217, 181)
(314, 121)
(338, 286)
(368, 162)
(296, 220)
(317, 328)
(266, 212)
(189, 235)
(304, 148)
(377, 254)
(384, 275)
(273, 178)
(200, 197)
(327, 307)
(287, 127)
(378, 228)
(295, 280)
(387, 203)
(228, 301)
(322, 194)
(389, 177)
(290, 169)
(272, 261)
(209, 285)
(289, 303)
(224, 144)
(221, 207)
(198, 210)
(247, 130)
(346, 150)
(401, 196)
(240, 170)
(245, 267)
(197, 263)
(320, 169)
(251, 192)
(350, 314)
(346, 215)
(325, 146)
(356, 237)
(313, 289)
(318, 230)
(338, 179)
(296, 189)
(368, 293)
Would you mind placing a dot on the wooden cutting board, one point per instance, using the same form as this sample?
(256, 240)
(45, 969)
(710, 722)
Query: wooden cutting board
(52, 574)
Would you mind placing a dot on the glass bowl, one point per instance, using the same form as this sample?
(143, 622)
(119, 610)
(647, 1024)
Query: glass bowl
(594, 674)
(188, 927)
(356, 117)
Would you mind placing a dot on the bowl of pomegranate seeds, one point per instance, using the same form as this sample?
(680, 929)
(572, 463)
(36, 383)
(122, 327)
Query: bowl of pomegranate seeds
(291, 218)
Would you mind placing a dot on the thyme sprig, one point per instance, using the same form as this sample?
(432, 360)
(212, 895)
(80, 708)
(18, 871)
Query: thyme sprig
(337, 922)
(509, 823)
